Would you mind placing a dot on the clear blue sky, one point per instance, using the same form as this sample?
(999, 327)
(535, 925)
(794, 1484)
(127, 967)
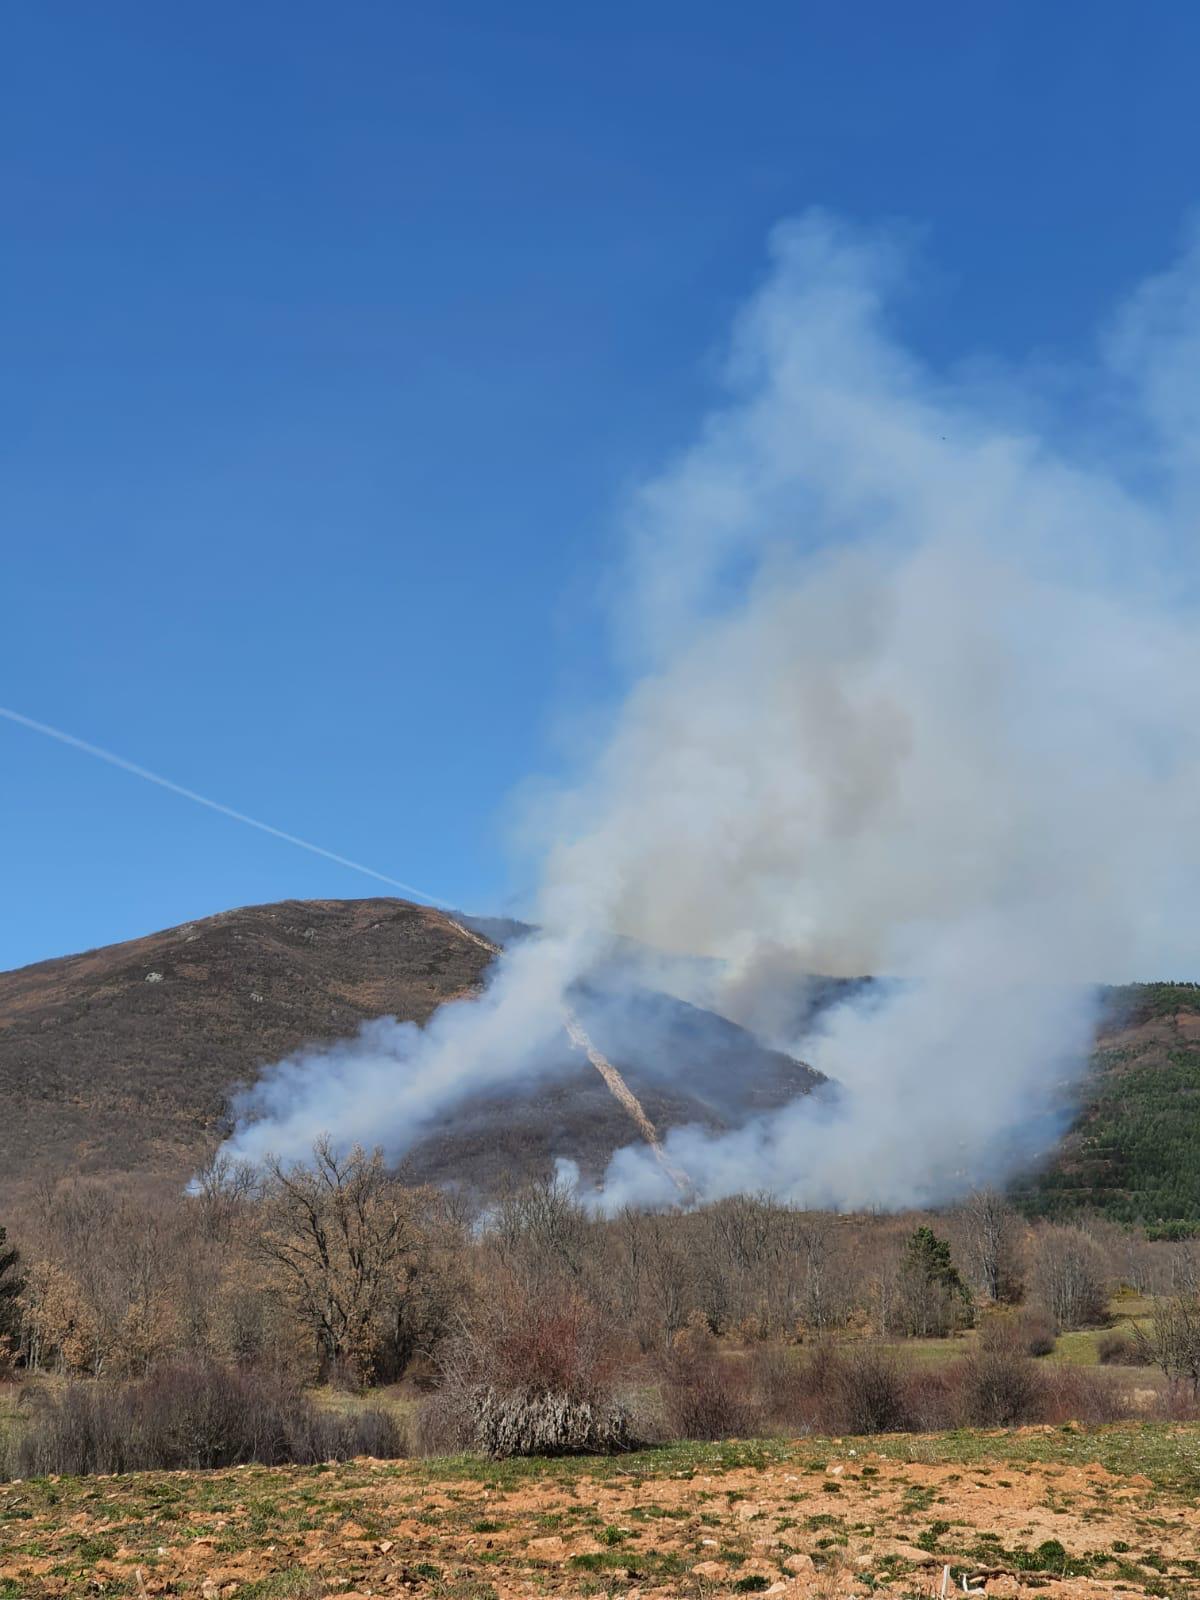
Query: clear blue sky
(332, 337)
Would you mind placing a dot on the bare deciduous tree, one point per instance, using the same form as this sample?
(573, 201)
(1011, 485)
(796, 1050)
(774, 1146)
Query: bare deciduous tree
(343, 1235)
(1069, 1276)
(1173, 1343)
(991, 1236)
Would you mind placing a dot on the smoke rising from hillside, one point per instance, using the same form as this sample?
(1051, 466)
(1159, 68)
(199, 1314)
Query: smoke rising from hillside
(916, 692)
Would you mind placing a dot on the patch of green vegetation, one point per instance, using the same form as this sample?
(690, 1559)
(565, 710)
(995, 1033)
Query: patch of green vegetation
(888, 1570)
(1168, 1454)
(97, 1548)
(648, 1563)
(1130, 1152)
(486, 1527)
(294, 1583)
(931, 1537)
(918, 1497)
(752, 1583)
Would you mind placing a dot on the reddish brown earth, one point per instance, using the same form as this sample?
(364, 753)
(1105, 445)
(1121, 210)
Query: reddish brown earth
(849, 1522)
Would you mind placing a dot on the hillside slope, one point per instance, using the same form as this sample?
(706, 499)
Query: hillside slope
(122, 1059)
(1133, 1150)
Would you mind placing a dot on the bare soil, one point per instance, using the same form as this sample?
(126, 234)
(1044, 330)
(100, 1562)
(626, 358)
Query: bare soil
(1060, 1513)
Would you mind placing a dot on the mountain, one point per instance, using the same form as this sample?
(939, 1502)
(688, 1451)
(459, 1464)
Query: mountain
(121, 1060)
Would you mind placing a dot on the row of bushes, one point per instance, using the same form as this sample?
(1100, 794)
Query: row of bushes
(864, 1389)
(550, 1377)
(190, 1416)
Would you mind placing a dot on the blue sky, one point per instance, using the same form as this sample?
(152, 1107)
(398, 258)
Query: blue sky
(334, 337)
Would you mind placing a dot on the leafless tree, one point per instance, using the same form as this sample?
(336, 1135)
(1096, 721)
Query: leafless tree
(223, 1190)
(991, 1237)
(1173, 1342)
(344, 1238)
(1069, 1276)
(541, 1233)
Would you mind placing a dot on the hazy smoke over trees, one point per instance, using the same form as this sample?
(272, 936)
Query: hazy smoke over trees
(915, 692)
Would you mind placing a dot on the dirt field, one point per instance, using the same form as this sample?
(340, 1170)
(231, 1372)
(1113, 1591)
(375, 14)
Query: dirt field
(1054, 1512)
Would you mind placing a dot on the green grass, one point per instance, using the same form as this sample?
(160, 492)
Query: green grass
(1167, 1454)
(296, 1583)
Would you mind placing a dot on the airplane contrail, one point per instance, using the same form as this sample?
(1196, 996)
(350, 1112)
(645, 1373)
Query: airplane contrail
(114, 760)
(578, 1036)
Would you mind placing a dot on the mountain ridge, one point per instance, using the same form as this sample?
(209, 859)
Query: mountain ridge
(122, 1059)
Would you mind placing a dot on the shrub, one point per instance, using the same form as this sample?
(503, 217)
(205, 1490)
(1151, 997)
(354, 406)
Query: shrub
(933, 1398)
(1116, 1350)
(549, 1424)
(444, 1421)
(528, 1379)
(1037, 1332)
(1077, 1394)
(1031, 1333)
(703, 1396)
(865, 1393)
(192, 1416)
(999, 1389)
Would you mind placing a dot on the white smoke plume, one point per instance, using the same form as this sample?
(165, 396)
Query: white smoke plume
(916, 692)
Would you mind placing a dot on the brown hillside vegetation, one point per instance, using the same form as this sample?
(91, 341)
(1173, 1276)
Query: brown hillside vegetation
(121, 1060)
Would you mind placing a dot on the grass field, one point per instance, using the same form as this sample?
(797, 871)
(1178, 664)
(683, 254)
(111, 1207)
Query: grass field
(1063, 1512)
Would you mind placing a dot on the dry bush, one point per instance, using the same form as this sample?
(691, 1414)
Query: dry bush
(1037, 1332)
(933, 1398)
(786, 1384)
(999, 1389)
(1030, 1332)
(1116, 1350)
(512, 1423)
(444, 1422)
(856, 1389)
(528, 1379)
(1176, 1404)
(1077, 1394)
(559, 1345)
(866, 1394)
(701, 1394)
(191, 1416)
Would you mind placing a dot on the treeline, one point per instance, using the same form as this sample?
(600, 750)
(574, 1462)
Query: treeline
(528, 1326)
(339, 1271)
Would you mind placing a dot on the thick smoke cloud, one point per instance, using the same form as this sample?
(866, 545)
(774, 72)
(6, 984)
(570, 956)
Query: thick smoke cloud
(915, 692)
